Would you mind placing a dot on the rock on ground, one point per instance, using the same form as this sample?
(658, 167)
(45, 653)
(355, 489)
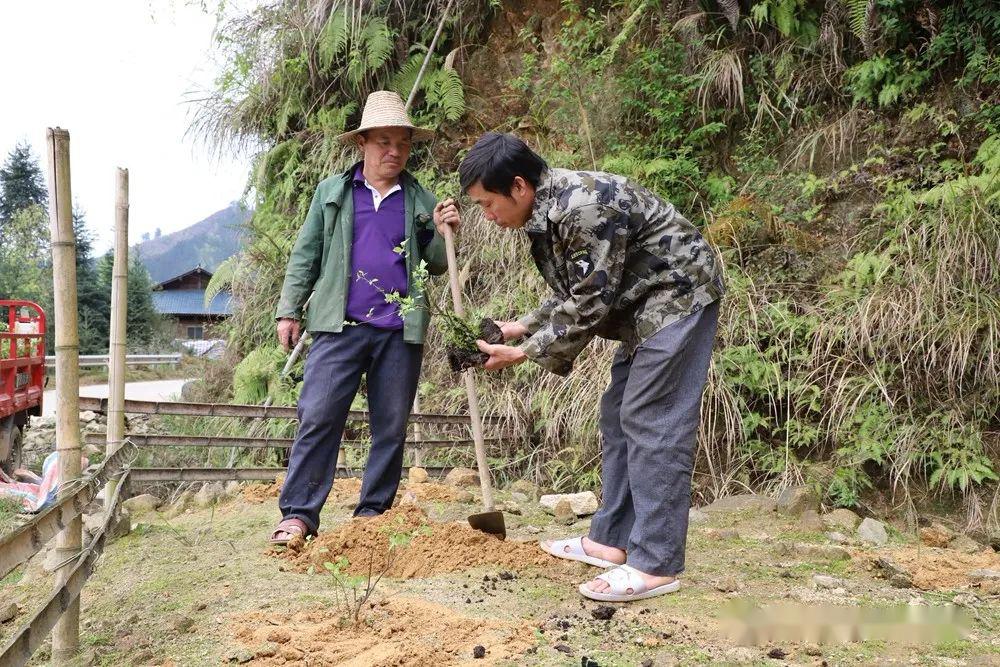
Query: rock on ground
(462, 477)
(582, 504)
(564, 513)
(936, 535)
(525, 487)
(795, 500)
(417, 476)
(743, 501)
(142, 504)
(965, 544)
(873, 532)
(842, 520)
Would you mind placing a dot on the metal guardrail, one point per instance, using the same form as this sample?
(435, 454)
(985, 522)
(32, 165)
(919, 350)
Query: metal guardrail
(29, 538)
(247, 411)
(145, 475)
(19, 649)
(141, 440)
(130, 360)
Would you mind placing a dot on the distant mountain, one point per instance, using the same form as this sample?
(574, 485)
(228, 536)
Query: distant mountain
(207, 243)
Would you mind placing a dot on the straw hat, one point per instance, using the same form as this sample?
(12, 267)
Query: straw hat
(384, 108)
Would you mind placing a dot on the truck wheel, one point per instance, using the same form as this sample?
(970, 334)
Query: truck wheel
(14, 437)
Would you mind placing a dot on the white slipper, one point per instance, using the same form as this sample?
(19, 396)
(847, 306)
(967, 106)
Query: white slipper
(623, 579)
(572, 549)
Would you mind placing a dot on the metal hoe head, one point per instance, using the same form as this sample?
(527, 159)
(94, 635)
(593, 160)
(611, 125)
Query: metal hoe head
(489, 522)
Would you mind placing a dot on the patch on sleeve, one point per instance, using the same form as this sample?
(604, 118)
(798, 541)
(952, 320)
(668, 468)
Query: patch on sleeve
(582, 264)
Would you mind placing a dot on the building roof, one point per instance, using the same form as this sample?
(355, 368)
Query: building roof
(196, 270)
(190, 302)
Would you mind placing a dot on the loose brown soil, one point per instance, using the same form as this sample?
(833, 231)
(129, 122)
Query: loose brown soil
(933, 568)
(396, 631)
(434, 547)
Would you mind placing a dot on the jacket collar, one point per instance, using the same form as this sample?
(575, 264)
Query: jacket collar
(345, 179)
(538, 221)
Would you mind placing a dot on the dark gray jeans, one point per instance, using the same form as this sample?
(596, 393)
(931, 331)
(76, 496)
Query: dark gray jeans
(333, 373)
(649, 424)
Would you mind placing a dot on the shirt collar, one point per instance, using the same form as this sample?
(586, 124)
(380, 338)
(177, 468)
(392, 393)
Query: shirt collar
(359, 179)
(538, 221)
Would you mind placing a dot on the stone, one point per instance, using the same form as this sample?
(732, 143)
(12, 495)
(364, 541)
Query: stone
(464, 496)
(88, 416)
(984, 575)
(512, 508)
(239, 656)
(936, 535)
(525, 487)
(409, 498)
(90, 451)
(478, 651)
(417, 476)
(897, 576)
(209, 494)
(843, 520)
(462, 477)
(233, 489)
(120, 526)
(965, 544)
(564, 513)
(142, 504)
(811, 521)
(740, 502)
(826, 582)
(532, 530)
(727, 585)
(695, 515)
(795, 500)
(873, 532)
(180, 505)
(181, 624)
(519, 497)
(8, 612)
(838, 538)
(581, 504)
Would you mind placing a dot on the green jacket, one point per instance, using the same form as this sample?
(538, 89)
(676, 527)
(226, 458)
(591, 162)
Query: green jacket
(321, 257)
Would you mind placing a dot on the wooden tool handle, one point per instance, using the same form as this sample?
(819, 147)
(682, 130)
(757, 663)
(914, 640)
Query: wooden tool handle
(470, 382)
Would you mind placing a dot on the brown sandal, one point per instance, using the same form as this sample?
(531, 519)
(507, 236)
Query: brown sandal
(291, 528)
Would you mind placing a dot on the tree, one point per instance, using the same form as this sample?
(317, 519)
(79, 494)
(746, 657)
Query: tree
(22, 183)
(145, 327)
(93, 304)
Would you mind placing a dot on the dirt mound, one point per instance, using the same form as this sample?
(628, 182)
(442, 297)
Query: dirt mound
(936, 569)
(424, 547)
(432, 491)
(343, 489)
(396, 631)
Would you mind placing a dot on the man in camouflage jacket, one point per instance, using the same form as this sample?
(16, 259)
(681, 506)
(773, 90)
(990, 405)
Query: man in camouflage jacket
(623, 264)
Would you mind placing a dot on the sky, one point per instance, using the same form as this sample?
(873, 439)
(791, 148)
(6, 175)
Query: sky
(118, 74)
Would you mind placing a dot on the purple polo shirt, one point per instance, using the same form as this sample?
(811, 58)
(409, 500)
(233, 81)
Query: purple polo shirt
(376, 234)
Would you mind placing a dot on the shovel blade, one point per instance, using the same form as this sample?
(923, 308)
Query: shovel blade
(489, 522)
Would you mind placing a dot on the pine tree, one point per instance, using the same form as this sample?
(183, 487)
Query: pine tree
(21, 182)
(93, 305)
(144, 325)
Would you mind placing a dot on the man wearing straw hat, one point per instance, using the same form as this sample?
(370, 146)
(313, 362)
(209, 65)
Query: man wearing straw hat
(366, 232)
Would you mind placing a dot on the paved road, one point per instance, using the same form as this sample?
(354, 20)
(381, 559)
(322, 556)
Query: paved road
(156, 390)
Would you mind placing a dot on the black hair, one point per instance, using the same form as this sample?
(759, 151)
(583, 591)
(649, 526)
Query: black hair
(496, 159)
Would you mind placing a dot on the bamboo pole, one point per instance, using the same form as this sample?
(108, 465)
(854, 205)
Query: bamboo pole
(66, 634)
(119, 315)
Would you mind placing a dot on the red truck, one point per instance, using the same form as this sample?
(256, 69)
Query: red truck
(22, 374)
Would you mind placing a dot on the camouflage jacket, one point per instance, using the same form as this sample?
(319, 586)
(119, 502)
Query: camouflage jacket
(622, 262)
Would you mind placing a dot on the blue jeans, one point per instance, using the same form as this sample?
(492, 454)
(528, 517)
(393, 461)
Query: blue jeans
(333, 373)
